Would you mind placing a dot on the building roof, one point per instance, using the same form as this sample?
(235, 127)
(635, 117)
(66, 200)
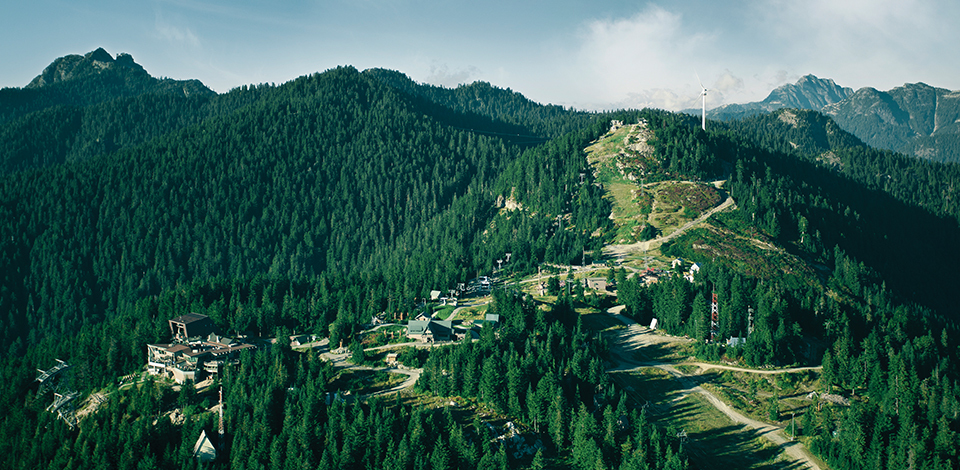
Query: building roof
(231, 349)
(417, 327)
(204, 449)
(190, 318)
(437, 327)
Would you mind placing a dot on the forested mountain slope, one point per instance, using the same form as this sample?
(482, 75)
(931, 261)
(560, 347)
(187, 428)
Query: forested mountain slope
(327, 175)
(865, 220)
(914, 119)
(313, 205)
(502, 105)
(83, 106)
(309, 206)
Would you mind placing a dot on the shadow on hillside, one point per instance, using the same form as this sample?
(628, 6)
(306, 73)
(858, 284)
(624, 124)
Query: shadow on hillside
(734, 446)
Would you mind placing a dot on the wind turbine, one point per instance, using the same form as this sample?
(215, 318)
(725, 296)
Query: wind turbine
(703, 94)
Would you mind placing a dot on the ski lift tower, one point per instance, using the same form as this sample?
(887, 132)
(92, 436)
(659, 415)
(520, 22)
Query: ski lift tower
(57, 380)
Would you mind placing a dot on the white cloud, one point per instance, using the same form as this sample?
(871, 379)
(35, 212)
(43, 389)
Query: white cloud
(624, 60)
(440, 74)
(880, 43)
(728, 82)
(742, 51)
(175, 34)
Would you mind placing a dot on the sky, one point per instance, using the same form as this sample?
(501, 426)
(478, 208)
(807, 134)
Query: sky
(589, 55)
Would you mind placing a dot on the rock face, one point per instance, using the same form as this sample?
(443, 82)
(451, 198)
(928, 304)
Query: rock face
(809, 92)
(914, 119)
(97, 76)
(76, 66)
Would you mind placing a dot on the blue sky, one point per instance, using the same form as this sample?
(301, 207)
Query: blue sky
(599, 54)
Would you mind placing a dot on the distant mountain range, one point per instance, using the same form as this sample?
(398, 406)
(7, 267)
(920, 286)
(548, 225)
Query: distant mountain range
(914, 119)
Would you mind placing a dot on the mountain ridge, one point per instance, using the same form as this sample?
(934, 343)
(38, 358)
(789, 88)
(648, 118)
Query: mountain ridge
(75, 66)
(93, 78)
(915, 119)
(322, 203)
(809, 92)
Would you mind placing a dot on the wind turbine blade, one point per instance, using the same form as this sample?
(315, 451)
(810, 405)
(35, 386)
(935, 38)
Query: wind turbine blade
(700, 82)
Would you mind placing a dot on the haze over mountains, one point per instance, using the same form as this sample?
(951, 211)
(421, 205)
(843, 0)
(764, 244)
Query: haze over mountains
(914, 119)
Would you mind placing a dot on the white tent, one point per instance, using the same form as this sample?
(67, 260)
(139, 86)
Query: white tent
(204, 449)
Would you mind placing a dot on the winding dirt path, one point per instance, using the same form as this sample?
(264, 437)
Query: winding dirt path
(629, 341)
(621, 251)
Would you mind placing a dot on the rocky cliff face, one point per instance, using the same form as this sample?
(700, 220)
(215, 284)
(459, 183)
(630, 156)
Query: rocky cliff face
(104, 76)
(809, 92)
(916, 119)
(76, 66)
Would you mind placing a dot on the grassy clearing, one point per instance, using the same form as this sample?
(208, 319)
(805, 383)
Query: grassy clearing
(443, 312)
(713, 440)
(752, 255)
(626, 205)
(599, 321)
(678, 202)
(716, 442)
(750, 393)
(363, 382)
(666, 352)
(473, 313)
(393, 334)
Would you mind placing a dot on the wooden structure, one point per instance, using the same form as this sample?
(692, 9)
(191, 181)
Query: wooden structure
(192, 360)
(191, 325)
(430, 330)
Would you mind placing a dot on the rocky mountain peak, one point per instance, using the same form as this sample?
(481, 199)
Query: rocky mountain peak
(77, 66)
(809, 92)
(99, 55)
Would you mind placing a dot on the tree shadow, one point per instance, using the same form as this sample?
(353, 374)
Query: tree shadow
(734, 446)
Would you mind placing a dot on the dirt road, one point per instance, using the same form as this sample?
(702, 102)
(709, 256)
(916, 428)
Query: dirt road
(620, 252)
(628, 341)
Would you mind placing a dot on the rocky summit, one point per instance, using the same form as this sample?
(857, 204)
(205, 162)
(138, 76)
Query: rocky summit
(77, 66)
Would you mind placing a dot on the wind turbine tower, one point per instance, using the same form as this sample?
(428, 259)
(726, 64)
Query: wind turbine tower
(703, 95)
